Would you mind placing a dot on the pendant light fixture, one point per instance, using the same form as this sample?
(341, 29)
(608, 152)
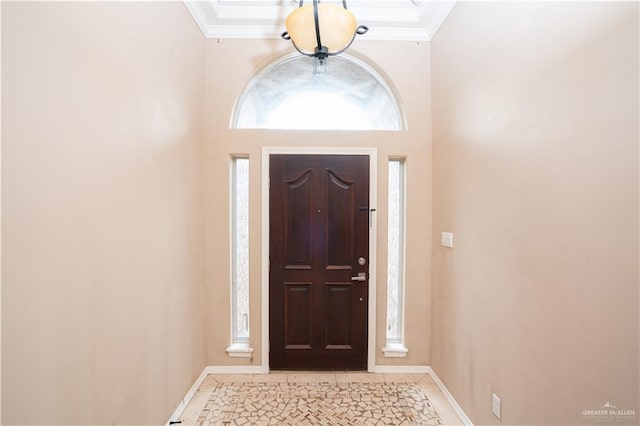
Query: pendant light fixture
(322, 29)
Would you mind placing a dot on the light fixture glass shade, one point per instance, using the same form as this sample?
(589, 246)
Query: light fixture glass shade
(337, 27)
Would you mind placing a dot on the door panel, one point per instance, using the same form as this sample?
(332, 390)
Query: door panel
(319, 227)
(297, 320)
(339, 220)
(298, 216)
(338, 316)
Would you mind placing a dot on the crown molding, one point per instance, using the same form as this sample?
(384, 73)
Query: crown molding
(401, 20)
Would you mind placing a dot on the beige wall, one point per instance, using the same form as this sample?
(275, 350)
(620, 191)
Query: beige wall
(106, 313)
(535, 144)
(102, 281)
(230, 66)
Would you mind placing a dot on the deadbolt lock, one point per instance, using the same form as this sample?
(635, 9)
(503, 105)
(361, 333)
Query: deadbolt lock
(362, 261)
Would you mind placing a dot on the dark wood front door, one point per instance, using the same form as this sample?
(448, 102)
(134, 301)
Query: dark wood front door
(319, 241)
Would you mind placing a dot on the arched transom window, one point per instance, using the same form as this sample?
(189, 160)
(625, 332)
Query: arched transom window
(290, 94)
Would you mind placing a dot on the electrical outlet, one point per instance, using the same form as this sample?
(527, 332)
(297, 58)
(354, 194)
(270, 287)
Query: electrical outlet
(495, 405)
(447, 239)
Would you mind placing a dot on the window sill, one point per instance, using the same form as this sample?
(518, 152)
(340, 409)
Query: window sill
(240, 350)
(395, 350)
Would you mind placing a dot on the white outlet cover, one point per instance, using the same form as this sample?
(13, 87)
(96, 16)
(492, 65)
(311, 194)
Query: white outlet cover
(447, 239)
(495, 405)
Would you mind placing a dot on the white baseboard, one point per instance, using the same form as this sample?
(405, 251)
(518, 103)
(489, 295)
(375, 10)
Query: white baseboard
(214, 369)
(456, 407)
(187, 399)
(401, 369)
(237, 369)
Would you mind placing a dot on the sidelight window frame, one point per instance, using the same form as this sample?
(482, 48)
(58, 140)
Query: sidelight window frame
(396, 249)
(239, 242)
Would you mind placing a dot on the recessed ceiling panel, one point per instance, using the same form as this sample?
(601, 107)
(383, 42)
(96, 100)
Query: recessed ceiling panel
(387, 19)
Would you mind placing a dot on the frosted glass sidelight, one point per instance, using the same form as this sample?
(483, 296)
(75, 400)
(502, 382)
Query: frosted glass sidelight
(240, 249)
(395, 251)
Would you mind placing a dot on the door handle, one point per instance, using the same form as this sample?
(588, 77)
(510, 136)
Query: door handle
(362, 276)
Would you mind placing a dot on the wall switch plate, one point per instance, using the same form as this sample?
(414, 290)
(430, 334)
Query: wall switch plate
(447, 239)
(495, 406)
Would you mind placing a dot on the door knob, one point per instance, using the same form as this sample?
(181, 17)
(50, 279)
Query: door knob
(362, 276)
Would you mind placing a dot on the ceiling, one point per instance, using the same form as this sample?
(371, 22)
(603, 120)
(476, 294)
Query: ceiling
(413, 20)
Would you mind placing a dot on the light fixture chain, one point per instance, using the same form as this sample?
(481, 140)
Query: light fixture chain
(316, 19)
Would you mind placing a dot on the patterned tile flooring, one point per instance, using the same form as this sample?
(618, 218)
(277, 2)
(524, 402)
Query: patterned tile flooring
(319, 399)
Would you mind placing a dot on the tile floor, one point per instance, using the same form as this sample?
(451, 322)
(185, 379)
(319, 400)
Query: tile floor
(193, 414)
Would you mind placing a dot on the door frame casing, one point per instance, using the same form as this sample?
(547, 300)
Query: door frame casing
(373, 201)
